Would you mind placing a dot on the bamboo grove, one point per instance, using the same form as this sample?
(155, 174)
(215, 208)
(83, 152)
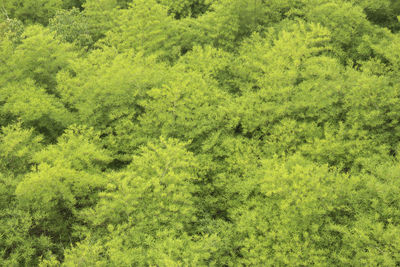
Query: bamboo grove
(199, 133)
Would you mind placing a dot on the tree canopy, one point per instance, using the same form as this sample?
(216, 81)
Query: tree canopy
(199, 133)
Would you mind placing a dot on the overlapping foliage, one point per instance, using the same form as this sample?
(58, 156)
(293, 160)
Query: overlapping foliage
(199, 133)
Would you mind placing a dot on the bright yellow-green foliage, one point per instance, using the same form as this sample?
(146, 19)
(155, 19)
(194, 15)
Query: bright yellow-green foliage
(200, 133)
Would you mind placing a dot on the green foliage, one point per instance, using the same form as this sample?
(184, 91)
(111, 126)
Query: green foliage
(10, 37)
(35, 108)
(32, 11)
(348, 25)
(64, 183)
(99, 15)
(11, 29)
(288, 75)
(78, 148)
(107, 93)
(17, 147)
(147, 208)
(40, 56)
(384, 13)
(139, 26)
(72, 26)
(188, 108)
(302, 214)
(184, 8)
(147, 29)
(17, 245)
(199, 133)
